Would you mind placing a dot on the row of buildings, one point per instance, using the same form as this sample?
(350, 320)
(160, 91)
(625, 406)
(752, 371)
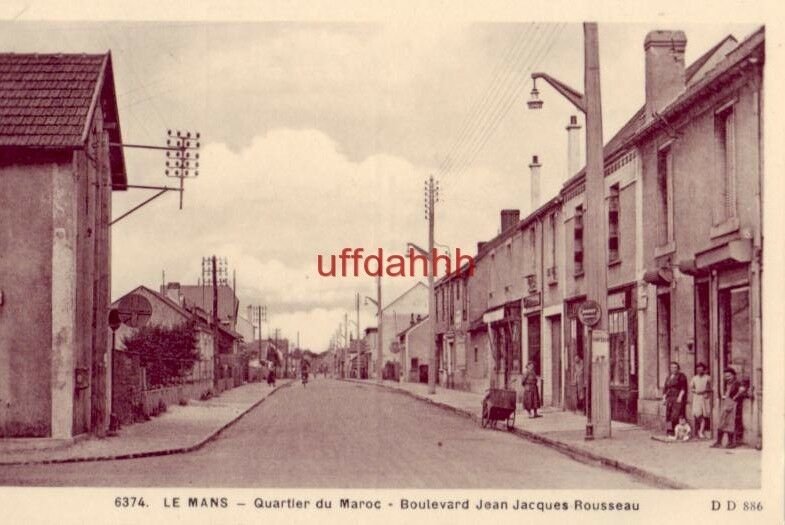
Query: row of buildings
(683, 245)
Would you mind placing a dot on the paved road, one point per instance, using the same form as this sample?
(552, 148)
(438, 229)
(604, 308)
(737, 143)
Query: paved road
(342, 435)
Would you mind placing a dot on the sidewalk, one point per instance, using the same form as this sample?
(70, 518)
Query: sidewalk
(180, 429)
(630, 449)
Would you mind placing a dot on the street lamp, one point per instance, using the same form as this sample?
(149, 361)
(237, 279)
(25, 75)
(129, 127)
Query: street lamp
(598, 416)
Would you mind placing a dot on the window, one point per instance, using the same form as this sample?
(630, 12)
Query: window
(533, 248)
(476, 354)
(613, 224)
(725, 131)
(577, 246)
(664, 196)
(465, 307)
(552, 237)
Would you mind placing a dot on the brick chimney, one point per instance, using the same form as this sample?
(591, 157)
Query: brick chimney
(573, 146)
(510, 218)
(535, 182)
(665, 73)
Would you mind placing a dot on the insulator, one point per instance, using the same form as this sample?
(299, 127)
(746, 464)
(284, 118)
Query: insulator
(169, 132)
(197, 134)
(196, 174)
(166, 172)
(197, 144)
(168, 142)
(167, 153)
(196, 155)
(178, 132)
(188, 134)
(187, 154)
(187, 143)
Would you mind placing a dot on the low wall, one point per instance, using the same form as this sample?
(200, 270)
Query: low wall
(171, 395)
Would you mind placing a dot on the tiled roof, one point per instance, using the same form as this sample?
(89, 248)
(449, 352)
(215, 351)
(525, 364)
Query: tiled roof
(202, 296)
(45, 100)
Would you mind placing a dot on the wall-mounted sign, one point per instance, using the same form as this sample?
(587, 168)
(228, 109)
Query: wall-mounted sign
(589, 313)
(600, 347)
(530, 301)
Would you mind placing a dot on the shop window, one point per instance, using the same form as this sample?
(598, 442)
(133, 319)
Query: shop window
(619, 348)
(577, 246)
(735, 334)
(533, 337)
(725, 132)
(613, 225)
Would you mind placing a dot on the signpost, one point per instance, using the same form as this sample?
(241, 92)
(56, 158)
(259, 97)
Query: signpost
(598, 409)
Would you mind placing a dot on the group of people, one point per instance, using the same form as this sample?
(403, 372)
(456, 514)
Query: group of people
(674, 397)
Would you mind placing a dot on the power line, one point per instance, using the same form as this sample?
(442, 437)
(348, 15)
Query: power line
(492, 99)
(502, 108)
(476, 107)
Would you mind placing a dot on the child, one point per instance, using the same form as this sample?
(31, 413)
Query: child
(682, 431)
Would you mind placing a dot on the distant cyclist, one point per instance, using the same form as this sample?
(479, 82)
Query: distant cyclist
(304, 371)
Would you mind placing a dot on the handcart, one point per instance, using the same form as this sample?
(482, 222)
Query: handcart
(498, 405)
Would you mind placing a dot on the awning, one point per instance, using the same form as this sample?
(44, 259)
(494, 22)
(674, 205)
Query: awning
(658, 276)
(737, 251)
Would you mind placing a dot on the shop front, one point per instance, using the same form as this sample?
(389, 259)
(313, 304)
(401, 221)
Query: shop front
(503, 325)
(727, 325)
(575, 342)
(622, 334)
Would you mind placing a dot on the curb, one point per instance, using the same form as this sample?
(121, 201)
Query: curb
(152, 453)
(577, 454)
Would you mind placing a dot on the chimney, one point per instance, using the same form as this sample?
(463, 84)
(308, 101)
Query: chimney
(665, 74)
(173, 292)
(535, 182)
(510, 218)
(480, 246)
(573, 146)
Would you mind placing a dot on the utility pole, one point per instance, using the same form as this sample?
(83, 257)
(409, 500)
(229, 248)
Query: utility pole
(216, 347)
(431, 198)
(594, 310)
(346, 341)
(357, 324)
(599, 420)
(379, 325)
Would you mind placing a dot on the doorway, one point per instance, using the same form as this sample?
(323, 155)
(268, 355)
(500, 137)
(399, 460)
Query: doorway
(554, 324)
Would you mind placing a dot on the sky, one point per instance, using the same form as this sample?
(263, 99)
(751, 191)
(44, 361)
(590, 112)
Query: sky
(319, 136)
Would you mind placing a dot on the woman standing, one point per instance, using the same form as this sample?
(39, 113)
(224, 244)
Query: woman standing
(701, 399)
(531, 394)
(674, 396)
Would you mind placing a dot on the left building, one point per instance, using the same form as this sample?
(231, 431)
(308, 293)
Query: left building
(58, 117)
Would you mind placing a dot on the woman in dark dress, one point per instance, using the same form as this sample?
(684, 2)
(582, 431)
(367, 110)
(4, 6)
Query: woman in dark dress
(675, 396)
(531, 393)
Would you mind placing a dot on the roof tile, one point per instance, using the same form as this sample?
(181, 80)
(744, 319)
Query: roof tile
(44, 99)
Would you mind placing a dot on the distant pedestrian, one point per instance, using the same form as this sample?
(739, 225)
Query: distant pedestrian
(531, 393)
(271, 377)
(701, 399)
(730, 420)
(674, 397)
(579, 380)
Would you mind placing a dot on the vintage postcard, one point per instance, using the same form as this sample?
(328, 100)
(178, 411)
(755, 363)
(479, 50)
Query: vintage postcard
(273, 263)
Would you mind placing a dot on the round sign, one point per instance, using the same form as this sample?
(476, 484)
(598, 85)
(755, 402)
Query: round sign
(135, 310)
(589, 313)
(114, 319)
